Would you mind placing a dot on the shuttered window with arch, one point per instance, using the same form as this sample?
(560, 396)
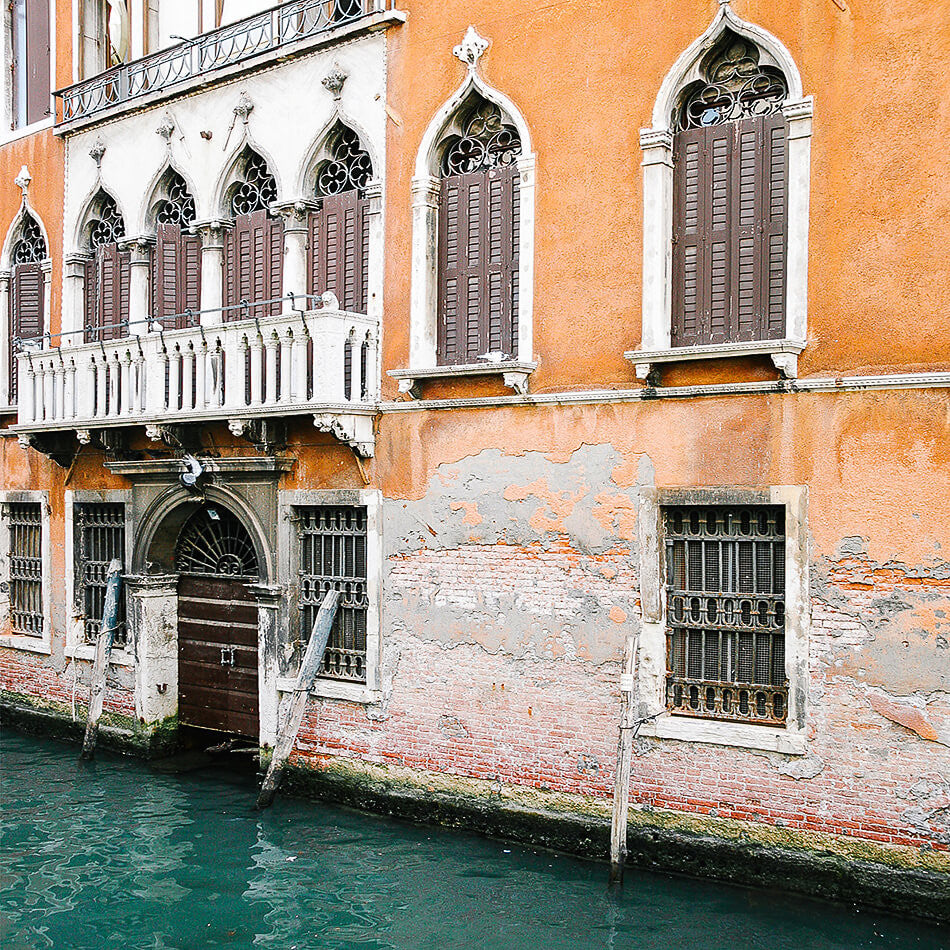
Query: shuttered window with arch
(176, 260)
(108, 272)
(254, 248)
(338, 238)
(730, 196)
(27, 293)
(479, 224)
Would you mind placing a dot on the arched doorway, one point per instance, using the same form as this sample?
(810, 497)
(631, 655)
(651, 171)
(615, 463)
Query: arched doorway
(217, 623)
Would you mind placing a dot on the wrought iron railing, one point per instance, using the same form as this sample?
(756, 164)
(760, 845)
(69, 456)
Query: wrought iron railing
(226, 46)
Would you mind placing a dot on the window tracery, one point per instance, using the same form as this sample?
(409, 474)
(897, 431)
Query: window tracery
(106, 225)
(736, 87)
(487, 142)
(348, 166)
(256, 189)
(178, 205)
(31, 247)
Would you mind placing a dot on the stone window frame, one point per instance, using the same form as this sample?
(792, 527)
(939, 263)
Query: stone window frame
(19, 641)
(25, 211)
(288, 555)
(76, 646)
(8, 134)
(656, 144)
(789, 739)
(425, 189)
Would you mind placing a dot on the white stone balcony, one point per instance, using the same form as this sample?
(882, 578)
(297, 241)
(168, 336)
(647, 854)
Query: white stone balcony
(321, 362)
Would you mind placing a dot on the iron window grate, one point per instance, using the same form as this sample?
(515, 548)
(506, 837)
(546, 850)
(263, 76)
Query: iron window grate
(333, 556)
(725, 601)
(25, 523)
(100, 530)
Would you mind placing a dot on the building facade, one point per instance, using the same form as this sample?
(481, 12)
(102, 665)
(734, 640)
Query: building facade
(588, 350)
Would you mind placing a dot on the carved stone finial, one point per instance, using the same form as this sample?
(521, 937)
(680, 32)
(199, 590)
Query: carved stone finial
(97, 151)
(22, 181)
(244, 108)
(333, 81)
(166, 127)
(470, 50)
(329, 300)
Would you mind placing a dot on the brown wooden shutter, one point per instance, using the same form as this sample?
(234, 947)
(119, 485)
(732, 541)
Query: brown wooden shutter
(190, 277)
(37, 60)
(230, 273)
(91, 294)
(26, 313)
(339, 250)
(167, 263)
(730, 232)
(478, 265)
(108, 283)
(274, 240)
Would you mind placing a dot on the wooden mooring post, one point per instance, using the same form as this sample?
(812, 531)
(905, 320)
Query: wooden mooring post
(100, 666)
(618, 821)
(287, 733)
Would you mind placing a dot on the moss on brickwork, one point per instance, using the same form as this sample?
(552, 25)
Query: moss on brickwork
(895, 878)
(118, 732)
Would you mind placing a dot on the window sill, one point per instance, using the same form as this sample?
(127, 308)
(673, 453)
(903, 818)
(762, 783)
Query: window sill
(87, 651)
(335, 689)
(737, 734)
(12, 135)
(515, 374)
(784, 355)
(30, 644)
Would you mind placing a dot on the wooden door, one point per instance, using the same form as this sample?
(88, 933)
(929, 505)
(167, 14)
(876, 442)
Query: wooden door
(217, 654)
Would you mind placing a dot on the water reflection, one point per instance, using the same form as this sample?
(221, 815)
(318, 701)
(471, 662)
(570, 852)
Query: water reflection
(120, 855)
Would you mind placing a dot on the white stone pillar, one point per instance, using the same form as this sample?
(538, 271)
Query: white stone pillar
(7, 339)
(213, 235)
(799, 116)
(269, 602)
(424, 277)
(294, 280)
(139, 280)
(74, 300)
(153, 616)
(657, 238)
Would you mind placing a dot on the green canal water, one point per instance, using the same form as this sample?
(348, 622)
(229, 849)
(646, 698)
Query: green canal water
(120, 854)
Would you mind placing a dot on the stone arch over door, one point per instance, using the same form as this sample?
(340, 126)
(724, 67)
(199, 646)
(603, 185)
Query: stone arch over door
(202, 625)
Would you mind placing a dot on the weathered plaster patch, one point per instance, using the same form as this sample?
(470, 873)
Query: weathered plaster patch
(907, 714)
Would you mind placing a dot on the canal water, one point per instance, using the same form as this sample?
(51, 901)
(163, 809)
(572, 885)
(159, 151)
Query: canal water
(120, 854)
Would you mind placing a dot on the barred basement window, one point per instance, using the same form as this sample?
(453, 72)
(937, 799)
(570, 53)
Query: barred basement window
(725, 644)
(333, 556)
(100, 537)
(25, 523)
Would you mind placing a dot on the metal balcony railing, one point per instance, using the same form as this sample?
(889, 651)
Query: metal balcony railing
(300, 361)
(215, 50)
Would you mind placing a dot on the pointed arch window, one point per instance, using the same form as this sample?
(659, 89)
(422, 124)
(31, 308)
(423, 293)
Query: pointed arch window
(338, 230)
(254, 249)
(107, 272)
(725, 203)
(479, 222)
(27, 293)
(176, 262)
(730, 201)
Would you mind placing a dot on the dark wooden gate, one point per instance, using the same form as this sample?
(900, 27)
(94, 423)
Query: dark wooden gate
(217, 654)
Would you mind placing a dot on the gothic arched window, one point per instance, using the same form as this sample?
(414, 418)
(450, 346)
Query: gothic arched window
(176, 272)
(478, 237)
(339, 235)
(27, 292)
(254, 250)
(730, 198)
(108, 272)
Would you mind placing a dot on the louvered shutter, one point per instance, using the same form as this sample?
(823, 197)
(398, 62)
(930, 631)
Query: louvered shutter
(91, 295)
(189, 297)
(478, 265)
(26, 313)
(229, 266)
(339, 250)
(274, 238)
(125, 286)
(167, 263)
(108, 285)
(730, 232)
(37, 60)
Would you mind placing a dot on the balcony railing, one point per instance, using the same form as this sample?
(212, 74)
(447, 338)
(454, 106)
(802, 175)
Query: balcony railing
(215, 50)
(304, 361)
